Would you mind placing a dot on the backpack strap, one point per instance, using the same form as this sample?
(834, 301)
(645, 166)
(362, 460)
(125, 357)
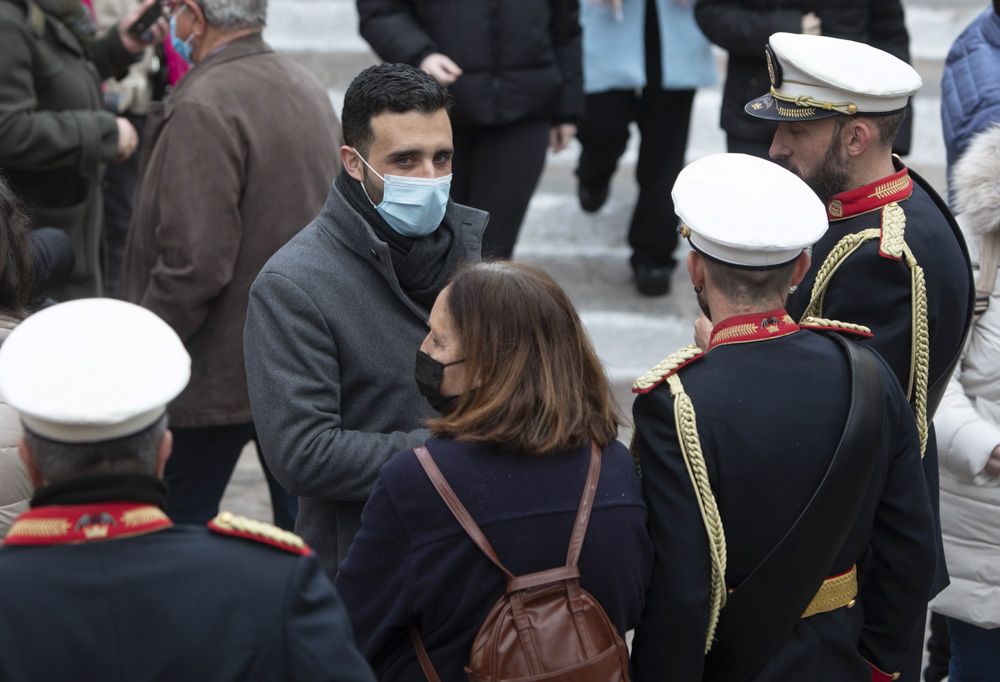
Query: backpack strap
(586, 506)
(458, 509)
(461, 514)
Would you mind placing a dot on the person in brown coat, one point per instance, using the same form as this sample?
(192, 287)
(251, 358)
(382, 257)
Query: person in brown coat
(236, 161)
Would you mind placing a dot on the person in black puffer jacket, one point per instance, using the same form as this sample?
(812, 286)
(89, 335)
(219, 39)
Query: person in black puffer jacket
(514, 68)
(743, 27)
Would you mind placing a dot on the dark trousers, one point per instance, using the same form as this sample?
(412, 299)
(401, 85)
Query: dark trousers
(496, 170)
(664, 118)
(120, 183)
(200, 466)
(975, 653)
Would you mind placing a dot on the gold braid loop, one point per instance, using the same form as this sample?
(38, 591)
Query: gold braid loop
(919, 347)
(847, 245)
(849, 108)
(835, 324)
(694, 460)
(665, 367)
(633, 448)
(920, 337)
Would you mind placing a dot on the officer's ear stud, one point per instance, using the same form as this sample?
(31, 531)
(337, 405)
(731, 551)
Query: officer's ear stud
(698, 290)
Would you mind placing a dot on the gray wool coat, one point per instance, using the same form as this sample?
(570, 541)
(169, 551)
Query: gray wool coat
(330, 343)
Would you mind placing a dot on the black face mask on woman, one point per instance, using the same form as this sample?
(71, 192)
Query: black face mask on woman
(429, 374)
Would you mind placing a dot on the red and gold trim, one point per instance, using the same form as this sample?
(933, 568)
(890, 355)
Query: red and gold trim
(755, 327)
(896, 187)
(80, 523)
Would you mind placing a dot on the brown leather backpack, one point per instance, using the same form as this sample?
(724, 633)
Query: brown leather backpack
(545, 626)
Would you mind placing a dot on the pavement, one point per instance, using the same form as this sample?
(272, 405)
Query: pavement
(588, 254)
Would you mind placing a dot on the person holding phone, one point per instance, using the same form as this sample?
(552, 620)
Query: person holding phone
(55, 137)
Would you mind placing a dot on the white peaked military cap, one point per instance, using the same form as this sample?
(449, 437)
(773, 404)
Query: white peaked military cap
(815, 77)
(92, 370)
(747, 212)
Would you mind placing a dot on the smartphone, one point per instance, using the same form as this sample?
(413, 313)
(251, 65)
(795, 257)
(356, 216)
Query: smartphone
(140, 28)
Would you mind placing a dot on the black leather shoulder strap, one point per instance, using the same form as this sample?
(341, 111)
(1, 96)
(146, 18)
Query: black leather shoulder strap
(764, 609)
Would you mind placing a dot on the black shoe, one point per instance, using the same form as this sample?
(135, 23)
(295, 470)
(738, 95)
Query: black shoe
(653, 280)
(592, 198)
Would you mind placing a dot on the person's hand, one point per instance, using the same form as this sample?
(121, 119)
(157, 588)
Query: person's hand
(128, 139)
(702, 331)
(992, 467)
(154, 34)
(441, 68)
(561, 135)
(811, 24)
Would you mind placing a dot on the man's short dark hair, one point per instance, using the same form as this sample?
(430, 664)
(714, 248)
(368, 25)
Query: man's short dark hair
(750, 288)
(397, 88)
(887, 125)
(135, 453)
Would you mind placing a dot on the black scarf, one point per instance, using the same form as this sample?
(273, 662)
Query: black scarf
(422, 266)
(103, 488)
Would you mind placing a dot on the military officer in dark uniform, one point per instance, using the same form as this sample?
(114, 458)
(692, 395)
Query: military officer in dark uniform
(98, 584)
(781, 468)
(893, 260)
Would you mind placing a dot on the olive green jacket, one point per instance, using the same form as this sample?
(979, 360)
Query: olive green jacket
(54, 136)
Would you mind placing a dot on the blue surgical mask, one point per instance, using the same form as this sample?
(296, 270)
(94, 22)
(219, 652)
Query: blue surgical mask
(182, 47)
(413, 207)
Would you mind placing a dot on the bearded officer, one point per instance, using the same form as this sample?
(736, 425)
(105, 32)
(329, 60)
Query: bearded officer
(893, 259)
(98, 583)
(777, 466)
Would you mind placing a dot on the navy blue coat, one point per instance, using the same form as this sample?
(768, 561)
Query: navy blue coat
(411, 562)
(874, 291)
(770, 414)
(178, 604)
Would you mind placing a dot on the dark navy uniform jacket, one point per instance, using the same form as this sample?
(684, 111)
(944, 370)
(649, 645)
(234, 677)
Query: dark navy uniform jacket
(875, 291)
(770, 413)
(121, 596)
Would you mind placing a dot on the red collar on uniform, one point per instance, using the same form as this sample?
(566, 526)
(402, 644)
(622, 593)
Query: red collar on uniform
(80, 523)
(753, 327)
(896, 187)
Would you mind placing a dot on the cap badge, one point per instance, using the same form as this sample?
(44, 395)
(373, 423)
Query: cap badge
(773, 67)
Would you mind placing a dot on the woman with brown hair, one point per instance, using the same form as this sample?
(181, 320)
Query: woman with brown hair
(16, 272)
(522, 396)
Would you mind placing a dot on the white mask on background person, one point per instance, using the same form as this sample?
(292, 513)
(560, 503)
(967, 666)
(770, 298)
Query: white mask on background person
(413, 207)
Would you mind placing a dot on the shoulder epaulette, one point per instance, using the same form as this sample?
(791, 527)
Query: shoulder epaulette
(823, 324)
(666, 367)
(258, 531)
(893, 232)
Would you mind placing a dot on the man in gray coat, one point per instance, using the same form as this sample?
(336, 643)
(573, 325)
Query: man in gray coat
(237, 160)
(337, 315)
